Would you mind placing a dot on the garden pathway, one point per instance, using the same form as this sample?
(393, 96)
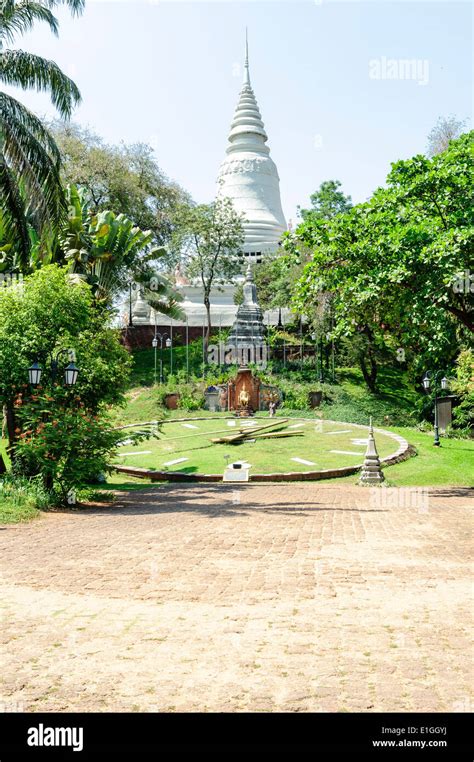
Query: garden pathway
(301, 597)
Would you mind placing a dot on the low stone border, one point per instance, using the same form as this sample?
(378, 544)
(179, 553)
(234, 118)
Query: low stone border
(404, 452)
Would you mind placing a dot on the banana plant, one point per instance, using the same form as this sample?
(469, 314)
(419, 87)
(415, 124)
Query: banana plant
(108, 250)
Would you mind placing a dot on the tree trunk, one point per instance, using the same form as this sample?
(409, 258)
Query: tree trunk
(367, 361)
(207, 335)
(370, 375)
(4, 423)
(465, 317)
(10, 420)
(48, 482)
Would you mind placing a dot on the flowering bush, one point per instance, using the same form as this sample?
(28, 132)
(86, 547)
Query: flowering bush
(63, 440)
(61, 433)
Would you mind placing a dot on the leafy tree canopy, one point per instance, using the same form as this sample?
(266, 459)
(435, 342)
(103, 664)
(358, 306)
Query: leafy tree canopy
(395, 264)
(57, 432)
(30, 188)
(125, 179)
(210, 237)
(48, 312)
(327, 202)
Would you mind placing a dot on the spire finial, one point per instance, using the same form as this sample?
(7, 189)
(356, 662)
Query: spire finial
(246, 72)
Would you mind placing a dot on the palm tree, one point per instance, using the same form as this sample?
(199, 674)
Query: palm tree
(30, 188)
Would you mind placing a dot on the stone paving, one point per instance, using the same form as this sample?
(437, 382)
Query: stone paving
(302, 597)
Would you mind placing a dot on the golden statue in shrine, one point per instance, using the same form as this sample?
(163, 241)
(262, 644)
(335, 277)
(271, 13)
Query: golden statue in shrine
(244, 397)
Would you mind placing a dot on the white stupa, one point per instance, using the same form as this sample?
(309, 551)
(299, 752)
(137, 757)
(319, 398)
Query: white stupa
(249, 176)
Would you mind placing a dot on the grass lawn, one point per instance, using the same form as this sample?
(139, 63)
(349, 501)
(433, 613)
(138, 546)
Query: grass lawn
(15, 508)
(322, 443)
(14, 511)
(452, 464)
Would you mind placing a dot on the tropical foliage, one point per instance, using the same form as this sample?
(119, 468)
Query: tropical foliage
(123, 178)
(393, 265)
(30, 188)
(211, 237)
(108, 251)
(58, 431)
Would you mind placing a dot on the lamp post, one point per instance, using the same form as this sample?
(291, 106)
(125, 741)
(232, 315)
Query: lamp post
(131, 287)
(301, 342)
(187, 349)
(318, 351)
(71, 372)
(429, 378)
(160, 337)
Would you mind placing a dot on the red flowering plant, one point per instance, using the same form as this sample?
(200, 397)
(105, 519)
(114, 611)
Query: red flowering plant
(59, 433)
(65, 441)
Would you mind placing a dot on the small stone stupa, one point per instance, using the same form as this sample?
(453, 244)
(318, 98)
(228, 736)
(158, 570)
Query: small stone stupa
(248, 330)
(371, 472)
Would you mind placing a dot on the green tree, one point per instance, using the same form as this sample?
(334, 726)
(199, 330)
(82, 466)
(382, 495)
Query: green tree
(211, 238)
(108, 250)
(327, 202)
(463, 387)
(45, 314)
(394, 264)
(274, 278)
(123, 178)
(30, 188)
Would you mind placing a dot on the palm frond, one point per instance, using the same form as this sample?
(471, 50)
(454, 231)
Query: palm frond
(12, 110)
(168, 307)
(26, 70)
(31, 162)
(18, 18)
(12, 207)
(75, 6)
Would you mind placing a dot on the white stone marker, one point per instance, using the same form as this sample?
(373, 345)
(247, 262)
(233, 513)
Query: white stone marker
(304, 462)
(232, 474)
(127, 454)
(175, 462)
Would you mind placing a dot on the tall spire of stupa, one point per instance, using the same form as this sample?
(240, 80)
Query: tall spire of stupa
(249, 176)
(246, 65)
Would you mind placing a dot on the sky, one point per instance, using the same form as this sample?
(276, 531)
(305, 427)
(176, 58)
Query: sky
(335, 98)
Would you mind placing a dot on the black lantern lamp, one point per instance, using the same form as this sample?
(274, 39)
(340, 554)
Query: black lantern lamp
(34, 374)
(70, 374)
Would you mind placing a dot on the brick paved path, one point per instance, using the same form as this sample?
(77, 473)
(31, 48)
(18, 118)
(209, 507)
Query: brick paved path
(298, 597)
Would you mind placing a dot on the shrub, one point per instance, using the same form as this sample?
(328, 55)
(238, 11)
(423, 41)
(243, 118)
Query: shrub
(463, 386)
(191, 399)
(61, 433)
(21, 499)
